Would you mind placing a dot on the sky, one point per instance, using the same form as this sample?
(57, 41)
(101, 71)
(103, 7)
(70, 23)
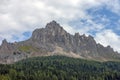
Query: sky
(99, 18)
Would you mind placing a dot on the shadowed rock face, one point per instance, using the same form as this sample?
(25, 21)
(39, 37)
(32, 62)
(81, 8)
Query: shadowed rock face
(54, 40)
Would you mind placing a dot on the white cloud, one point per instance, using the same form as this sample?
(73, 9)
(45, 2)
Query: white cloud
(19, 16)
(114, 6)
(108, 37)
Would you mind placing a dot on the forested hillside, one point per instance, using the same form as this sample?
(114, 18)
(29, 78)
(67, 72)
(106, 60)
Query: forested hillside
(60, 68)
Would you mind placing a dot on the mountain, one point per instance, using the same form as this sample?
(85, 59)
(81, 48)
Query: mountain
(54, 40)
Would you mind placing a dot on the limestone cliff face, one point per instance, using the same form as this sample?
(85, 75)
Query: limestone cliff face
(54, 40)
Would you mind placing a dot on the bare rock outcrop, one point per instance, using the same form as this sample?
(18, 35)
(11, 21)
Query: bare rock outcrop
(52, 39)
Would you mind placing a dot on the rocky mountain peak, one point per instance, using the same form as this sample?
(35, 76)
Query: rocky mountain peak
(50, 32)
(53, 24)
(54, 40)
(77, 34)
(4, 42)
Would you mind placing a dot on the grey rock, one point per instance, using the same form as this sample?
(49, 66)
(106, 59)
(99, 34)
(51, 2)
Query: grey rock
(46, 41)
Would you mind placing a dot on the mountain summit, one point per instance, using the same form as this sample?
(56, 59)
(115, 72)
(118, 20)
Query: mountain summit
(54, 40)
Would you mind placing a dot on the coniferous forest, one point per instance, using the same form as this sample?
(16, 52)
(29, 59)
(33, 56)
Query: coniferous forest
(60, 68)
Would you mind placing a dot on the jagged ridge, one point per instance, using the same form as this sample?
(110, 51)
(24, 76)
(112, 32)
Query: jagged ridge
(54, 40)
